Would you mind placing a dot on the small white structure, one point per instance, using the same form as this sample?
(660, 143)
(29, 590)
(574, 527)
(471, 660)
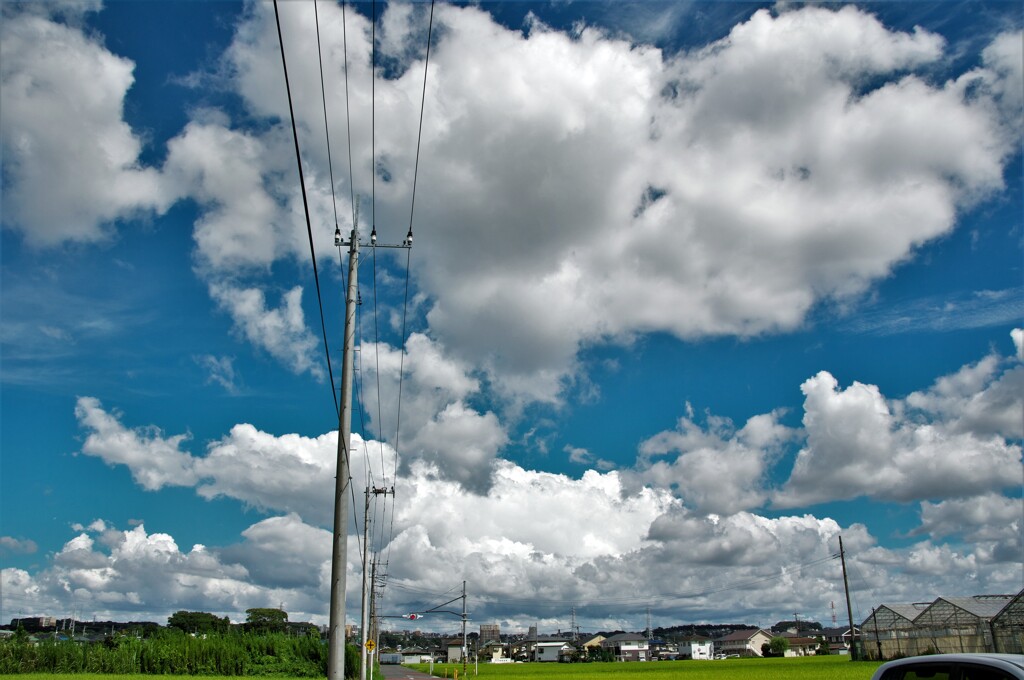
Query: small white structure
(550, 651)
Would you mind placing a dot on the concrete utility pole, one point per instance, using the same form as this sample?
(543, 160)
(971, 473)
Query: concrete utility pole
(368, 622)
(849, 610)
(465, 646)
(364, 622)
(339, 556)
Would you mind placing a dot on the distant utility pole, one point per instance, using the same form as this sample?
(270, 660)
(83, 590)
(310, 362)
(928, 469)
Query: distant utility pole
(465, 646)
(365, 633)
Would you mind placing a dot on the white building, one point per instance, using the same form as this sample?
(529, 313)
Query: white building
(697, 648)
(550, 651)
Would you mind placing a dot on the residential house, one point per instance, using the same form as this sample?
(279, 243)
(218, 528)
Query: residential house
(416, 655)
(664, 650)
(745, 642)
(492, 650)
(454, 650)
(800, 644)
(697, 647)
(838, 639)
(628, 647)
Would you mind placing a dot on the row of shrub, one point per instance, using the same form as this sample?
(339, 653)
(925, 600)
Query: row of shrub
(173, 652)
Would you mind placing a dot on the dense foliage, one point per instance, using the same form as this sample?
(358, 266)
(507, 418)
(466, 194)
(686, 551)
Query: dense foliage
(176, 653)
(198, 622)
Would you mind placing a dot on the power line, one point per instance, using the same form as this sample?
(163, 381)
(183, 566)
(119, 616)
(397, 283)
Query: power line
(323, 98)
(305, 204)
(408, 259)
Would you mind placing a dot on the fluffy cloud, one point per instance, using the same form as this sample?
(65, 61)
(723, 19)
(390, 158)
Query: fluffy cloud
(289, 473)
(282, 332)
(155, 461)
(71, 163)
(699, 459)
(146, 575)
(856, 446)
(526, 538)
(437, 422)
(980, 398)
(726, 192)
(17, 546)
(983, 518)
(622, 190)
(526, 533)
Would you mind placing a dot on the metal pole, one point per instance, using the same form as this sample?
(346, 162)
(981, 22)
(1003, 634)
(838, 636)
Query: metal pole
(339, 556)
(849, 609)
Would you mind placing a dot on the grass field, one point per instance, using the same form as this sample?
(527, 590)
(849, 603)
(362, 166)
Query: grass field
(801, 668)
(806, 668)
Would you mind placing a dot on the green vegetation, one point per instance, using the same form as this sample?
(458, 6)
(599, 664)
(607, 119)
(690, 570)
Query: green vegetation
(198, 622)
(173, 652)
(801, 668)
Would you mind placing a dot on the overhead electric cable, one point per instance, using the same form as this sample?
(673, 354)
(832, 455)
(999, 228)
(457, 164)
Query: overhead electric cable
(305, 205)
(348, 118)
(408, 257)
(334, 202)
(323, 98)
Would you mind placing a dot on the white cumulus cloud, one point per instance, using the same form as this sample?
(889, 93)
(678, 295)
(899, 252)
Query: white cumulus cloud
(71, 162)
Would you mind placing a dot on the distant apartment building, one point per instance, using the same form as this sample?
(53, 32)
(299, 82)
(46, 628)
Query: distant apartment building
(34, 622)
(490, 631)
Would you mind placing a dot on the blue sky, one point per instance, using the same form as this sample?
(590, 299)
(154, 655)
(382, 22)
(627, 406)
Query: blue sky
(695, 289)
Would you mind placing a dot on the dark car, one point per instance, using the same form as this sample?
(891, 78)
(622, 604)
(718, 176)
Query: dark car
(954, 667)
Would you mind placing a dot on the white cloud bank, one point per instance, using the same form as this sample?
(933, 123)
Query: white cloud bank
(670, 531)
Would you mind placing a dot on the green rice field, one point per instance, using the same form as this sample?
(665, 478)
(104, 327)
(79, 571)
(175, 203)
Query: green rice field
(806, 668)
(799, 668)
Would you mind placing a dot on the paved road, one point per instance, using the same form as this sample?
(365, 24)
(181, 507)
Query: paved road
(399, 672)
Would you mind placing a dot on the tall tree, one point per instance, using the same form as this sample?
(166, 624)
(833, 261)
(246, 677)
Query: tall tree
(264, 620)
(198, 622)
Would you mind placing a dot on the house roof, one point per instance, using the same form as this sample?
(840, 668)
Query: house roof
(837, 632)
(743, 635)
(802, 641)
(626, 637)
